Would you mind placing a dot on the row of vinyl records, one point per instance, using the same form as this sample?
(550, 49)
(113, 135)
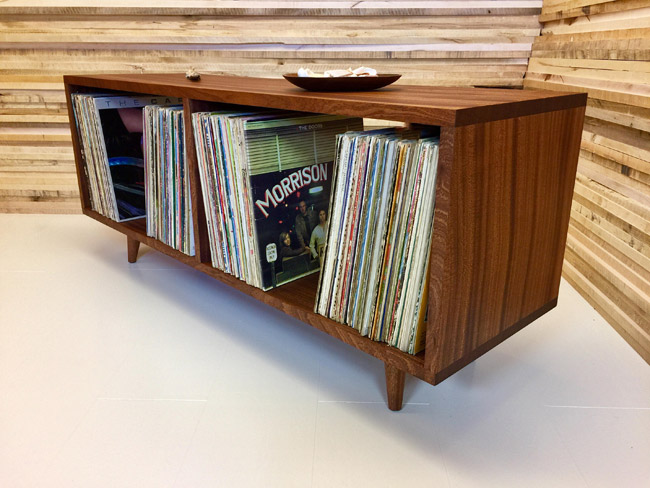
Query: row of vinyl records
(265, 174)
(375, 273)
(285, 194)
(134, 154)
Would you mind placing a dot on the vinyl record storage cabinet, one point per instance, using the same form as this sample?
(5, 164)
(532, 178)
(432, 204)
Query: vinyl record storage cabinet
(507, 165)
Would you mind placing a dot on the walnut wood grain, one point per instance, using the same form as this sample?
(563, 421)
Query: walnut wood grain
(394, 386)
(489, 344)
(503, 196)
(502, 210)
(201, 239)
(417, 104)
(133, 246)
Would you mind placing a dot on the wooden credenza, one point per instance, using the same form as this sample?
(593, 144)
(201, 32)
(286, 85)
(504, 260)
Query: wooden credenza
(507, 165)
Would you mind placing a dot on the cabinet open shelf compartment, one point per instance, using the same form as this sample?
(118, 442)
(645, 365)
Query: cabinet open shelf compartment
(506, 171)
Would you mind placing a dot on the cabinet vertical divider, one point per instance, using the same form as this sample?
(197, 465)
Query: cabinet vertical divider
(492, 270)
(201, 242)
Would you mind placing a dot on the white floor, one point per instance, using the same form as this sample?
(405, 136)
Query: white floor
(154, 375)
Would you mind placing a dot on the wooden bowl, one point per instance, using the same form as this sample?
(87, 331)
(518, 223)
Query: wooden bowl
(342, 84)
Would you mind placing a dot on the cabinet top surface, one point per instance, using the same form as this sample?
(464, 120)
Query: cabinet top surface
(449, 106)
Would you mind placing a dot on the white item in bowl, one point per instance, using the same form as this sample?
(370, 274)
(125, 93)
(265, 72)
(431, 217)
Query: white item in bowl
(338, 73)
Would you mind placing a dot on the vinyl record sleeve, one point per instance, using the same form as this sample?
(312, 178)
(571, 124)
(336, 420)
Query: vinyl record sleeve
(297, 174)
(110, 130)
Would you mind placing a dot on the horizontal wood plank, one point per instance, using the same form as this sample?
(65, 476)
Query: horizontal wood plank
(569, 10)
(602, 48)
(277, 7)
(607, 306)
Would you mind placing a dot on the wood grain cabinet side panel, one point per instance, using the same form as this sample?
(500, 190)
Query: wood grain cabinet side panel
(505, 197)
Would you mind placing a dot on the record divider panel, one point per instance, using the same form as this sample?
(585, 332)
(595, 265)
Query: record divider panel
(507, 165)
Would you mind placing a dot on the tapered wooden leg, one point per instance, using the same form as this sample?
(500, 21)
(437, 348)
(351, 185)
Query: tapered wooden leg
(394, 386)
(132, 249)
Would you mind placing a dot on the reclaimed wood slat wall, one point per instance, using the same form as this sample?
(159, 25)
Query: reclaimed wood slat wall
(437, 43)
(603, 47)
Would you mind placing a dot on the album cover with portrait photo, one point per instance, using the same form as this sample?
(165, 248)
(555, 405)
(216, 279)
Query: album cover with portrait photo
(291, 164)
